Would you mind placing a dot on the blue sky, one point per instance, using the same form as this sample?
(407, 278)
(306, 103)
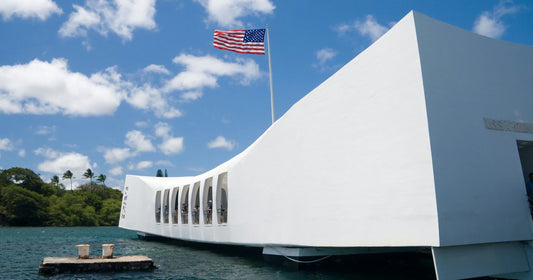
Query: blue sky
(132, 86)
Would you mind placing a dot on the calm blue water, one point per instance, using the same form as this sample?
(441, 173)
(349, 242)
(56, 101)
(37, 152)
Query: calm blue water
(22, 249)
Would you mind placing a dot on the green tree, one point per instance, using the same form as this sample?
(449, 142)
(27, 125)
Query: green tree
(166, 174)
(68, 175)
(159, 173)
(25, 200)
(55, 180)
(22, 177)
(23, 207)
(110, 212)
(101, 178)
(59, 188)
(88, 174)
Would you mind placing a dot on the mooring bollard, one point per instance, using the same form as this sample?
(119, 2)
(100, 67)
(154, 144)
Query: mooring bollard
(83, 251)
(107, 251)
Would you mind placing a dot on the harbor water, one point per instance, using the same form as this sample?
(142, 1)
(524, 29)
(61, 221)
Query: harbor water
(22, 250)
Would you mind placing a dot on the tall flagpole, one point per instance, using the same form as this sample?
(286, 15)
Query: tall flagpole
(270, 75)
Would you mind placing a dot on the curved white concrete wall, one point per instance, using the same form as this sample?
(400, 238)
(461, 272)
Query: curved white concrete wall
(364, 159)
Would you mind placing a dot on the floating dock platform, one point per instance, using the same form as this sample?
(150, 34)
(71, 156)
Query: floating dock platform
(55, 265)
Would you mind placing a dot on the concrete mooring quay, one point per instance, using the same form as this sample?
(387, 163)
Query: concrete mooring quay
(54, 265)
(84, 263)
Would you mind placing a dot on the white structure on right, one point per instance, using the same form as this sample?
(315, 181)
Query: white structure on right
(467, 102)
(447, 113)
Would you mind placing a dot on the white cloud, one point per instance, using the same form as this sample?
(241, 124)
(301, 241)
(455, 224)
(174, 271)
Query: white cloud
(169, 145)
(120, 17)
(162, 130)
(221, 142)
(116, 171)
(227, 13)
(137, 143)
(115, 155)
(149, 98)
(41, 87)
(136, 140)
(140, 165)
(61, 162)
(143, 165)
(141, 124)
(370, 28)
(191, 80)
(40, 9)
(22, 153)
(44, 130)
(191, 95)
(170, 113)
(490, 24)
(203, 71)
(153, 68)
(81, 17)
(172, 145)
(5, 144)
(325, 54)
(47, 152)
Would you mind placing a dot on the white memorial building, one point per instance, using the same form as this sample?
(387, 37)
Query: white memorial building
(424, 140)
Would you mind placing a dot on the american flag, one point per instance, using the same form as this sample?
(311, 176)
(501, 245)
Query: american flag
(250, 41)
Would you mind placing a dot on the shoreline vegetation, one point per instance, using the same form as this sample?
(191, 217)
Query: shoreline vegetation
(25, 200)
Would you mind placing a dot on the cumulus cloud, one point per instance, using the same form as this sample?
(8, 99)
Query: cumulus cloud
(5, 144)
(162, 130)
(141, 165)
(142, 124)
(227, 13)
(191, 95)
(203, 72)
(22, 153)
(221, 142)
(40, 9)
(41, 87)
(115, 155)
(369, 27)
(490, 24)
(170, 144)
(44, 130)
(152, 99)
(47, 152)
(153, 68)
(325, 54)
(116, 171)
(137, 141)
(121, 17)
(59, 162)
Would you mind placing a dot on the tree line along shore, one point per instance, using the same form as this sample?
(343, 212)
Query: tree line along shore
(25, 200)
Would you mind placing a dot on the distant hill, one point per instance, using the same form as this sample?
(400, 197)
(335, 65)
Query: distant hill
(25, 200)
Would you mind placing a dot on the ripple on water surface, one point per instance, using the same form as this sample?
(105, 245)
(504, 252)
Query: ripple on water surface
(22, 249)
